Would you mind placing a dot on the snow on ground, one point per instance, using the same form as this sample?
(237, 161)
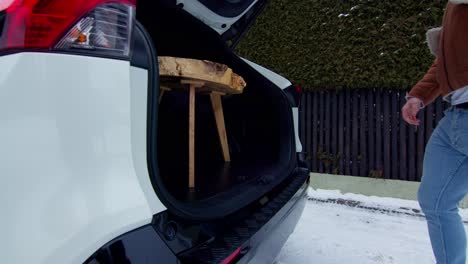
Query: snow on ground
(381, 203)
(370, 201)
(331, 233)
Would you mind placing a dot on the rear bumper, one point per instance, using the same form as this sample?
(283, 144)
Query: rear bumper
(259, 236)
(262, 234)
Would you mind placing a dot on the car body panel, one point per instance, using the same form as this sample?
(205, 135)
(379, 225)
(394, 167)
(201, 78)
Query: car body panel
(275, 78)
(69, 177)
(139, 110)
(299, 147)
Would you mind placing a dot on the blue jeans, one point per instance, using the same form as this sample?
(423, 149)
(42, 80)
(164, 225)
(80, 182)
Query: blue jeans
(444, 185)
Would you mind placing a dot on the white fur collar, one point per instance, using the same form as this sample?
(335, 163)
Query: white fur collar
(432, 36)
(459, 1)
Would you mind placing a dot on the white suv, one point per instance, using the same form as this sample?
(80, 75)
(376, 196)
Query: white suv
(94, 170)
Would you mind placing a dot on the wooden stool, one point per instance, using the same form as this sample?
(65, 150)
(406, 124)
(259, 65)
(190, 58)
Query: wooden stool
(200, 76)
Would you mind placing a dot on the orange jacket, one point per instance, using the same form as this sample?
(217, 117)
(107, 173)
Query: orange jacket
(450, 69)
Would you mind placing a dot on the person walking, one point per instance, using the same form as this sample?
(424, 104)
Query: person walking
(445, 167)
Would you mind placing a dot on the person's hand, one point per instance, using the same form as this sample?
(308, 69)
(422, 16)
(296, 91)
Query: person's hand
(410, 111)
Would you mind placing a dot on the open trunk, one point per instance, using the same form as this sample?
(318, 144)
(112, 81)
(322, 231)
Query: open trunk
(254, 134)
(259, 126)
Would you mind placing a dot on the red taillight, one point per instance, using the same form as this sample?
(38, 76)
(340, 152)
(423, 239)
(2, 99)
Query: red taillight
(298, 89)
(41, 24)
(233, 257)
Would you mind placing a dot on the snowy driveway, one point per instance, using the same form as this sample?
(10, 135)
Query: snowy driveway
(333, 234)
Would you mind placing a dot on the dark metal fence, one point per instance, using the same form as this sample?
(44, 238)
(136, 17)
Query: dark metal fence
(361, 133)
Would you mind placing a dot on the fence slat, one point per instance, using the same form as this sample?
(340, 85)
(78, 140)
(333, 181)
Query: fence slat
(386, 134)
(327, 132)
(378, 131)
(315, 132)
(341, 129)
(363, 134)
(348, 117)
(321, 149)
(306, 123)
(394, 142)
(403, 144)
(334, 132)
(355, 137)
(371, 130)
(411, 153)
(302, 120)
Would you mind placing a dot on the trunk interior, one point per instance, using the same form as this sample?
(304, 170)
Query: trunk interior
(259, 123)
(253, 143)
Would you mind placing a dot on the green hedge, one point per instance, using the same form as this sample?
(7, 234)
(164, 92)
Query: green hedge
(335, 44)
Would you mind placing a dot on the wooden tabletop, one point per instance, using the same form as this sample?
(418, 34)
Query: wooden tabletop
(216, 77)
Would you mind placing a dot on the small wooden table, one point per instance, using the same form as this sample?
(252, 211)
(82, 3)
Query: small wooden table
(200, 76)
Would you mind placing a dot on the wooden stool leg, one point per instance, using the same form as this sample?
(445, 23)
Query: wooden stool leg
(219, 116)
(192, 137)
